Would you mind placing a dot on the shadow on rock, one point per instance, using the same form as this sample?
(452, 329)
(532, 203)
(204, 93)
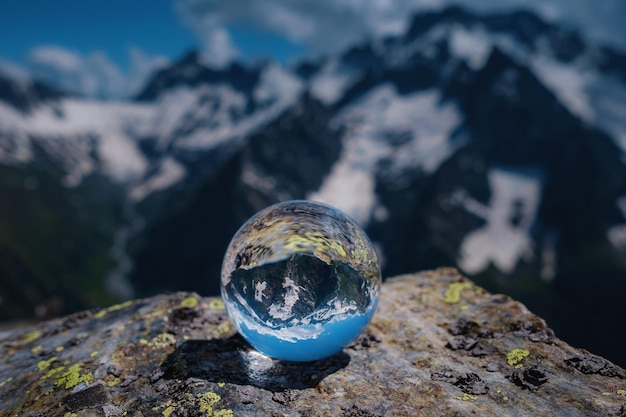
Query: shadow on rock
(234, 361)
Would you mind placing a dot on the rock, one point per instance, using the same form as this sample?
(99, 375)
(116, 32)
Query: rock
(437, 346)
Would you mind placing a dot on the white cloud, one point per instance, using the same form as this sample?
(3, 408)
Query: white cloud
(14, 71)
(326, 26)
(94, 74)
(217, 47)
(142, 66)
(323, 26)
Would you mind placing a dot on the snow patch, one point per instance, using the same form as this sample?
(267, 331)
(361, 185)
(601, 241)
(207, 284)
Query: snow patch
(170, 172)
(505, 238)
(330, 84)
(279, 85)
(70, 129)
(617, 234)
(567, 82)
(369, 122)
(473, 46)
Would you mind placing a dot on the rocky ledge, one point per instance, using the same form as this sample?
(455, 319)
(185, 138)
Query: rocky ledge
(438, 346)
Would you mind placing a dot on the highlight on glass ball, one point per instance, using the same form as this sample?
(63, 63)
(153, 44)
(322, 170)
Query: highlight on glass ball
(300, 281)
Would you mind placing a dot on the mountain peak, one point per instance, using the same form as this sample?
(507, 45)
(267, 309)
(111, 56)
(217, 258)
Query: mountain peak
(191, 71)
(24, 95)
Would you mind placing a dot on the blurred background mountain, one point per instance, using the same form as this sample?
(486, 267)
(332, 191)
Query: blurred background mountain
(136, 139)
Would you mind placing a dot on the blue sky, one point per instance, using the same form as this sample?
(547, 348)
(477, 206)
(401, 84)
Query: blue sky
(84, 26)
(108, 48)
(114, 26)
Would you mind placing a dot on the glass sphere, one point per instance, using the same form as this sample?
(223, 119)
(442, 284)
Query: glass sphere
(300, 280)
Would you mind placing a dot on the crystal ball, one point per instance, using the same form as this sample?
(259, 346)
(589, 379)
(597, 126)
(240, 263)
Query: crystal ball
(300, 281)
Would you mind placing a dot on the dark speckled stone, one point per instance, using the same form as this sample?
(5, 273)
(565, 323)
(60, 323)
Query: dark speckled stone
(437, 346)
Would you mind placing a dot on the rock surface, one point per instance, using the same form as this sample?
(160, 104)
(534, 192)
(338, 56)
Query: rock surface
(437, 346)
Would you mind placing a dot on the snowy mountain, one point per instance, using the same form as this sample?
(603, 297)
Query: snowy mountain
(491, 142)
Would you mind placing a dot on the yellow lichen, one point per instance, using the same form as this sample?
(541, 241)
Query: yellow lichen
(206, 402)
(114, 382)
(467, 397)
(36, 349)
(6, 381)
(52, 372)
(606, 394)
(163, 340)
(168, 411)
(70, 414)
(59, 348)
(100, 314)
(360, 255)
(115, 307)
(143, 342)
(221, 384)
(453, 293)
(189, 302)
(45, 364)
(216, 304)
(31, 336)
(314, 242)
(120, 306)
(93, 354)
(621, 392)
(73, 377)
(514, 357)
(505, 398)
(464, 307)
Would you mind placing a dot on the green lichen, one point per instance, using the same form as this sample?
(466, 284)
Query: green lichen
(168, 411)
(45, 364)
(189, 302)
(514, 357)
(31, 336)
(36, 349)
(74, 376)
(606, 394)
(621, 392)
(59, 349)
(453, 293)
(93, 354)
